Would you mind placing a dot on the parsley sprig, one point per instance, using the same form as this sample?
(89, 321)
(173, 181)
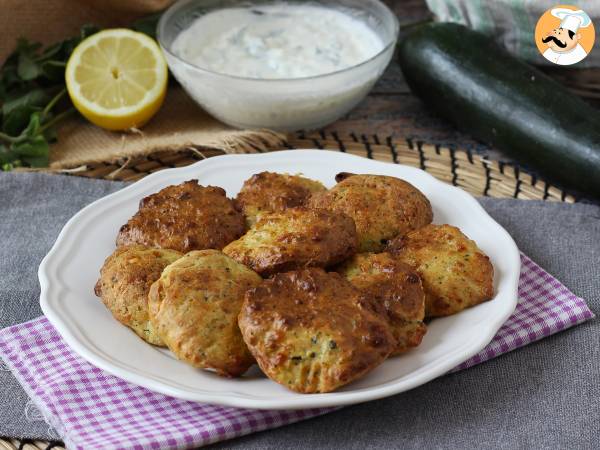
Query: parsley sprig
(33, 96)
(33, 99)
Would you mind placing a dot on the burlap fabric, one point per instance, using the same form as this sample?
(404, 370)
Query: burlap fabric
(179, 125)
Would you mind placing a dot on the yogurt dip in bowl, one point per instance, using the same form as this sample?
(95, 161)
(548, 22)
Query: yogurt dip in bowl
(281, 65)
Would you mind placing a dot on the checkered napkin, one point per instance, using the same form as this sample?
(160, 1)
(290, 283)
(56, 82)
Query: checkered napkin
(92, 409)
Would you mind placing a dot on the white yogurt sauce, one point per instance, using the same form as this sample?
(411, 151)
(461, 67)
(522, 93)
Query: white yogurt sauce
(277, 41)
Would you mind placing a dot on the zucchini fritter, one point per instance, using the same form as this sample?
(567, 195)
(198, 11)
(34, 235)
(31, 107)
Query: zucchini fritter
(312, 331)
(194, 307)
(456, 274)
(382, 207)
(125, 279)
(293, 239)
(184, 217)
(267, 192)
(396, 288)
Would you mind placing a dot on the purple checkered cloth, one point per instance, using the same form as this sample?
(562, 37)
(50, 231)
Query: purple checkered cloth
(93, 409)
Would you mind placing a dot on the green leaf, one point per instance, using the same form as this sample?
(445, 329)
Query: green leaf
(9, 81)
(33, 127)
(54, 70)
(36, 97)
(36, 161)
(33, 152)
(6, 155)
(36, 146)
(51, 51)
(68, 45)
(33, 99)
(67, 48)
(28, 68)
(8, 161)
(147, 25)
(26, 46)
(17, 119)
(12, 59)
(87, 30)
(50, 134)
(3, 154)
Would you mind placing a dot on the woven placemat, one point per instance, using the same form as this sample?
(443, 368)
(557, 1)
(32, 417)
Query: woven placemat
(458, 167)
(16, 444)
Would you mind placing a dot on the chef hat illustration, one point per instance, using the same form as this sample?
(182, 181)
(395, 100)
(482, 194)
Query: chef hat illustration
(571, 20)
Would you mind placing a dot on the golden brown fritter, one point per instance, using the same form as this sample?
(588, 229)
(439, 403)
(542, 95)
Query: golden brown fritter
(267, 192)
(456, 274)
(382, 207)
(295, 238)
(394, 286)
(184, 217)
(125, 279)
(194, 307)
(312, 331)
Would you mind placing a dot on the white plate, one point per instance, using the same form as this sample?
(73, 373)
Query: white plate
(68, 273)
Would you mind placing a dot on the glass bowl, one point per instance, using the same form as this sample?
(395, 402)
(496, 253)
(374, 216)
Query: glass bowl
(283, 104)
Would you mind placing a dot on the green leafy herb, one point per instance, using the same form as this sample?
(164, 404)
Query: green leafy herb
(33, 96)
(147, 24)
(33, 100)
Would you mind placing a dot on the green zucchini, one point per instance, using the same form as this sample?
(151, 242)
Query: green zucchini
(475, 84)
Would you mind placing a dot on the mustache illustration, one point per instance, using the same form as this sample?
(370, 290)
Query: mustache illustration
(556, 41)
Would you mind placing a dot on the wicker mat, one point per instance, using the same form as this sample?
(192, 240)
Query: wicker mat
(458, 167)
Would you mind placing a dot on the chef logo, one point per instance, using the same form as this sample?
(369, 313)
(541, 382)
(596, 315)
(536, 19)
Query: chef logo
(564, 35)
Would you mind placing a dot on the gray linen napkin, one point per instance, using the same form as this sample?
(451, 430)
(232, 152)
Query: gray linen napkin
(545, 395)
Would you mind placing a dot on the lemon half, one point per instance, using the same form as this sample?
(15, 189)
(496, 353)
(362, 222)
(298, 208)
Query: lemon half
(117, 78)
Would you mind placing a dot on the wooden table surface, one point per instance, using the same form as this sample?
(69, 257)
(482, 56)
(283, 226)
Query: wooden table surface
(392, 110)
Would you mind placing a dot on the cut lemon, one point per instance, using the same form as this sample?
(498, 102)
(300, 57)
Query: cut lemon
(117, 78)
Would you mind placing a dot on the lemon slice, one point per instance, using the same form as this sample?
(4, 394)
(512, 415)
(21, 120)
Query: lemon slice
(117, 78)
